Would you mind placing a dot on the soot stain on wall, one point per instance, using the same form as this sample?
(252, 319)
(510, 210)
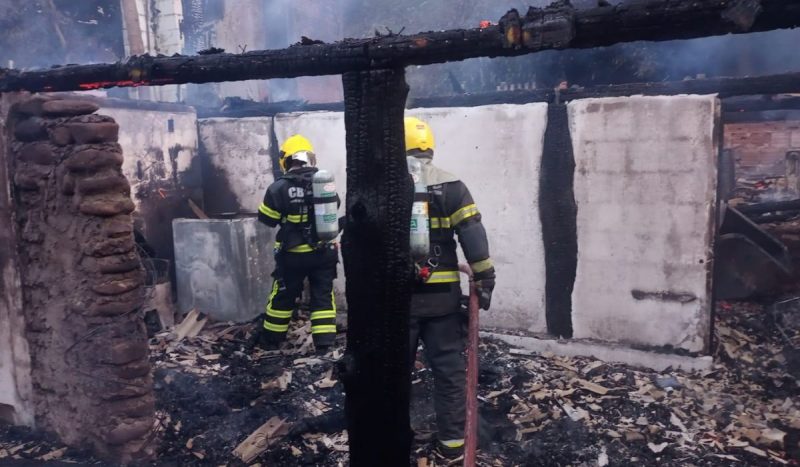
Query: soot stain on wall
(558, 213)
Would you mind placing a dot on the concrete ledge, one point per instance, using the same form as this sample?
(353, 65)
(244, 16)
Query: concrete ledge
(607, 353)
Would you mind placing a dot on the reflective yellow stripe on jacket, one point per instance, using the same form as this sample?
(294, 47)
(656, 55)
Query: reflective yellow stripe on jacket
(449, 222)
(463, 213)
(480, 266)
(440, 222)
(443, 277)
(297, 218)
(269, 212)
(298, 249)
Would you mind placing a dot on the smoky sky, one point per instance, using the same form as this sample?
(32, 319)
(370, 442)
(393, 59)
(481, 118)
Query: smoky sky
(39, 34)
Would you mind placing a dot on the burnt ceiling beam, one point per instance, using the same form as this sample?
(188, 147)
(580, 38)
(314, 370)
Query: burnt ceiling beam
(558, 26)
(763, 103)
(787, 83)
(760, 90)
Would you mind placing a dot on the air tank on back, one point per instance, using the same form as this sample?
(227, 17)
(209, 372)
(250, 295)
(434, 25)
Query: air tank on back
(326, 217)
(420, 226)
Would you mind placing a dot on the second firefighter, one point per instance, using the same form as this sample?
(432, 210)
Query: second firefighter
(300, 253)
(436, 316)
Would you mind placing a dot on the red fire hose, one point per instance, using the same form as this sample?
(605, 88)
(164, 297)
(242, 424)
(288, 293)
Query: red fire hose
(471, 424)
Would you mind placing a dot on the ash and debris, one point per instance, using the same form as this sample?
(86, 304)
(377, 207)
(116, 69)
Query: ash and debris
(535, 410)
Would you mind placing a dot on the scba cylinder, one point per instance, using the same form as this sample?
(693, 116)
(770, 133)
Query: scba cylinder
(420, 228)
(326, 216)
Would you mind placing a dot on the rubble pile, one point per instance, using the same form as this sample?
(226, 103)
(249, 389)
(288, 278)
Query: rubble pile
(220, 402)
(756, 189)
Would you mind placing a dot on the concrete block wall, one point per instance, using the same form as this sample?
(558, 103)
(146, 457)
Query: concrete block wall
(239, 164)
(645, 184)
(160, 143)
(223, 266)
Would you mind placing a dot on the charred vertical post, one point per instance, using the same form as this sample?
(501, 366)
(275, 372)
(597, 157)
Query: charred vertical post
(378, 267)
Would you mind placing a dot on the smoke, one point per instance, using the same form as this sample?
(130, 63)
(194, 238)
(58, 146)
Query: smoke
(41, 33)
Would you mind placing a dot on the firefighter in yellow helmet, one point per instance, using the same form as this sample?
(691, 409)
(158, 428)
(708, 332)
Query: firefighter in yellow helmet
(436, 316)
(299, 254)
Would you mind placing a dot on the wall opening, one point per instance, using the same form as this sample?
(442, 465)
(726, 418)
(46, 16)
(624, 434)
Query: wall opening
(7, 413)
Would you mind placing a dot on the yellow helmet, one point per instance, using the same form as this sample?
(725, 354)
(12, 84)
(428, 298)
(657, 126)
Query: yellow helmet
(418, 135)
(296, 147)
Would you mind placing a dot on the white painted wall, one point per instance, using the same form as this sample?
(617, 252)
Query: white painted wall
(16, 389)
(238, 149)
(470, 143)
(645, 184)
(325, 130)
(146, 142)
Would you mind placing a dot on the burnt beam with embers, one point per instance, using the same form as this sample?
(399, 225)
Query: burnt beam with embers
(558, 26)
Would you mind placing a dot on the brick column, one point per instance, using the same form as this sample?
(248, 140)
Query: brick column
(82, 278)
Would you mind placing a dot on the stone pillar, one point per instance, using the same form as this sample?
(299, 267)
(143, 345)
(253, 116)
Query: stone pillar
(82, 279)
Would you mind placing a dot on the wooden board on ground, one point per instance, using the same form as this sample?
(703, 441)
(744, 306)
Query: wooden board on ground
(261, 439)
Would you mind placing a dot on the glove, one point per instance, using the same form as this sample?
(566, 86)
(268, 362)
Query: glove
(484, 288)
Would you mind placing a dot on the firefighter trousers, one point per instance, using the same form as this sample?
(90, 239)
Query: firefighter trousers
(444, 340)
(290, 272)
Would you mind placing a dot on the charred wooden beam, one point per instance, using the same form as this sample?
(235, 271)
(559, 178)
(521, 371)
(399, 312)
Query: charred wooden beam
(378, 269)
(725, 87)
(762, 103)
(772, 206)
(773, 217)
(759, 117)
(787, 83)
(558, 26)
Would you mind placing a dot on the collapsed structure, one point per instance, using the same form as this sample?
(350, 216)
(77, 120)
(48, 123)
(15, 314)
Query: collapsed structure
(375, 94)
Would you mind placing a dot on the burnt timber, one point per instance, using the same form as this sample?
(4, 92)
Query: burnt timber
(379, 273)
(558, 26)
(761, 92)
(786, 83)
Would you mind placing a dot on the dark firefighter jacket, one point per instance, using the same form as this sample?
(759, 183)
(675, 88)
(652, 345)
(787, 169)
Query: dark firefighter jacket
(287, 203)
(452, 212)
